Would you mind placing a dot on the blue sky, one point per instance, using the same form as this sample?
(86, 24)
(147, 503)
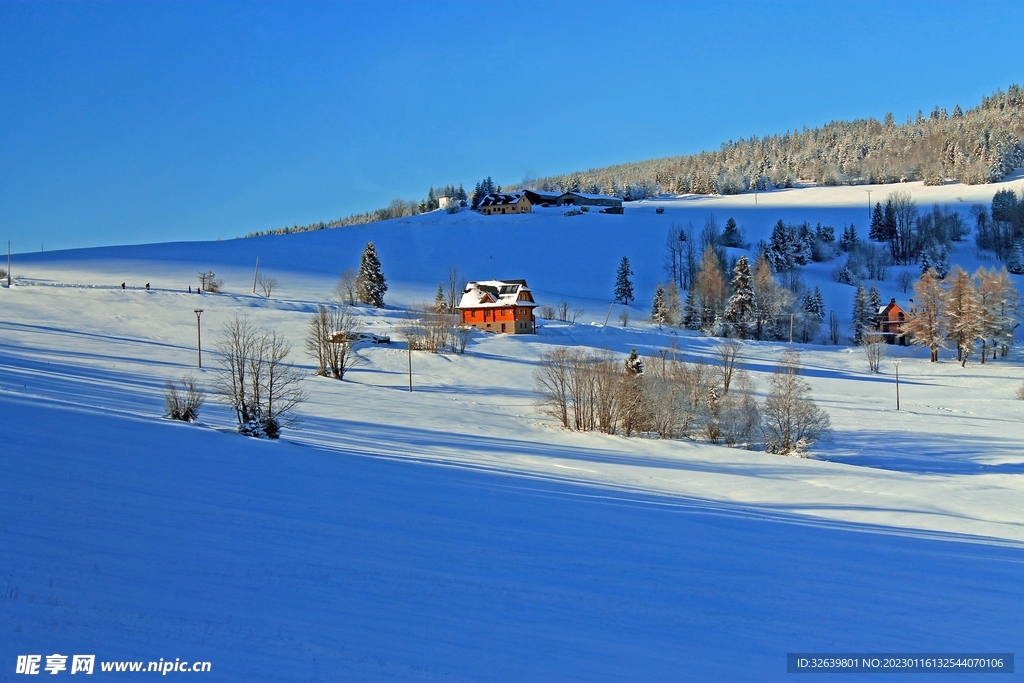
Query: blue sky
(150, 121)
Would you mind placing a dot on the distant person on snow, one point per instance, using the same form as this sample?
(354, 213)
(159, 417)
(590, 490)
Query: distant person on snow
(190, 289)
(147, 286)
(122, 286)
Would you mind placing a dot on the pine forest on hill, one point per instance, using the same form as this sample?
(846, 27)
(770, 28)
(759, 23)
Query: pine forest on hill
(976, 146)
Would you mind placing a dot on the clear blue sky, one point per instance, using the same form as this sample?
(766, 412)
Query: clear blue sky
(149, 121)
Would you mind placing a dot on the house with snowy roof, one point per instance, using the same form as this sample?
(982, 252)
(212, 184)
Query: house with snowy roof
(504, 306)
(505, 202)
(890, 321)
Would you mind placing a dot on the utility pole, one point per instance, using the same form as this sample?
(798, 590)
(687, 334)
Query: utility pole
(8, 264)
(790, 328)
(255, 274)
(897, 364)
(869, 205)
(409, 344)
(199, 336)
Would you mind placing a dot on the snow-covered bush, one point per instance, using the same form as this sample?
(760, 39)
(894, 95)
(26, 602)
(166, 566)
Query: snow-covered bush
(184, 403)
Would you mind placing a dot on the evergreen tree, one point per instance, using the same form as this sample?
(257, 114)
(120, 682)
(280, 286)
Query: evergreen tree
(877, 231)
(623, 285)
(673, 305)
(739, 312)
(658, 306)
(634, 364)
(781, 248)
(861, 314)
(440, 301)
(849, 240)
(370, 281)
(875, 297)
(731, 235)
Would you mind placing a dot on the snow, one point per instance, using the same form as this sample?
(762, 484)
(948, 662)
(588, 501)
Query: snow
(454, 533)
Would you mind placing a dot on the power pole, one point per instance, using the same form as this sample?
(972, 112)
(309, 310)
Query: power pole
(255, 274)
(869, 204)
(409, 344)
(897, 364)
(199, 336)
(8, 264)
(790, 328)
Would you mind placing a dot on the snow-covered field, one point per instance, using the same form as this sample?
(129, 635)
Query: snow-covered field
(453, 533)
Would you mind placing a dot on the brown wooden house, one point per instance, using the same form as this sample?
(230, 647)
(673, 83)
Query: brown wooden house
(890, 321)
(498, 306)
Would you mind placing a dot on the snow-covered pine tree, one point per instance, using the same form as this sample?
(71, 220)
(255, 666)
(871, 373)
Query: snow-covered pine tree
(440, 301)
(849, 240)
(623, 285)
(658, 306)
(781, 248)
(875, 297)
(634, 364)
(861, 313)
(370, 281)
(673, 305)
(926, 322)
(739, 312)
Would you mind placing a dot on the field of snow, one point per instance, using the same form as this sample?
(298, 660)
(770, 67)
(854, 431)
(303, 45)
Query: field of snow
(453, 533)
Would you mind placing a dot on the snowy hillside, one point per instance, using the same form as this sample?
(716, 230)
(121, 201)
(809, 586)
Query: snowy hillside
(454, 533)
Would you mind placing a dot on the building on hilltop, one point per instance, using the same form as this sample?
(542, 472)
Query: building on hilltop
(523, 202)
(505, 202)
(498, 306)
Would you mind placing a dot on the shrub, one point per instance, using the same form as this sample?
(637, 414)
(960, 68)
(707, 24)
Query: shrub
(184, 403)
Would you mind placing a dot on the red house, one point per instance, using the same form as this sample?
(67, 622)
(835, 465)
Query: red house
(890, 321)
(498, 306)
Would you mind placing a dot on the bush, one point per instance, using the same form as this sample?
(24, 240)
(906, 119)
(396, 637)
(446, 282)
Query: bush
(184, 404)
(546, 312)
(1020, 392)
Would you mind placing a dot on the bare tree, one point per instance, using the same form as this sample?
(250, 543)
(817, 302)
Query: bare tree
(454, 285)
(874, 349)
(791, 421)
(209, 282)
(345, 290)
(267, 284)
(460, 337)
(428, 330)
(624, 317)
(330, 339)
(255, 379)
(551, 378)
(905, 280)
(728, 352)
(184, 404)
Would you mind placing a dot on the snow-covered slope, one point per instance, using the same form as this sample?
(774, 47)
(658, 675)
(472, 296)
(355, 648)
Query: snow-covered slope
(453, 533)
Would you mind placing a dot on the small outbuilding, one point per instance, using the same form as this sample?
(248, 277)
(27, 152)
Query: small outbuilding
(890, 321)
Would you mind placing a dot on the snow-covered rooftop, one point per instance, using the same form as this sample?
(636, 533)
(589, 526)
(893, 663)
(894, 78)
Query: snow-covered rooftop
(495, 294)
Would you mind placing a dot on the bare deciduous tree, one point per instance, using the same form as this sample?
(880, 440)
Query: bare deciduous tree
(728, 352)
(905, 280)
(624, 317)
(454, 285)
(791, 421)
(255, 379)
(345, 290)
(330, 339)
(267, 284)
(874, 349)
